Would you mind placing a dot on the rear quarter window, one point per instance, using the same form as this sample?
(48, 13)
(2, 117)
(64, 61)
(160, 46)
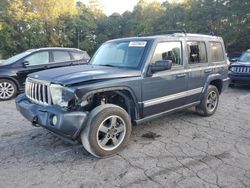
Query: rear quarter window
(80, 55)
(216, 52)
(77, 55)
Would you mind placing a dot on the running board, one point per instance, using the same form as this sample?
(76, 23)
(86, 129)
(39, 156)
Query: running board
(155, 116)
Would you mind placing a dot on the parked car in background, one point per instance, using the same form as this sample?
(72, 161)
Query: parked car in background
(239, 72)
(14, 70)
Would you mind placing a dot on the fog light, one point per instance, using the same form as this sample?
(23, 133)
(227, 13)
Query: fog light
(54, 120)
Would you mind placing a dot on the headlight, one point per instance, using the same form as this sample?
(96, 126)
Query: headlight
(61, 95)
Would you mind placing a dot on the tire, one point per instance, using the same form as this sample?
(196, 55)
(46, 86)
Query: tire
(8, 89)
(209, 102)
(107, 131)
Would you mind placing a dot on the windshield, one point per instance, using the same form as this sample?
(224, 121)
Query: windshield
(126, 54)
(245, 57)
(14, 58)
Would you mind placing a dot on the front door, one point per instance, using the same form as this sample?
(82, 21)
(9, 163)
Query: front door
(34, 63)
(165, 90)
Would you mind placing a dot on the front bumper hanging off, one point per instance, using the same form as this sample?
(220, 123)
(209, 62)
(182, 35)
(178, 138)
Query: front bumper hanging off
(66, 124)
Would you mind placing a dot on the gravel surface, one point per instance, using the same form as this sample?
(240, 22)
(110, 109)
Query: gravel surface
(179, 150)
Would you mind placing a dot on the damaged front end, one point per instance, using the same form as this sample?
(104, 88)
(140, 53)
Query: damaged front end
(53, 107)
(67, 124)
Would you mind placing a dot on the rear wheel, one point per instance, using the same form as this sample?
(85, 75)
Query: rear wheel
(210, 102)
(8, 89)
(107, 131)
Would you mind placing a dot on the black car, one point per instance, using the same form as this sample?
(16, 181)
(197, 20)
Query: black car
(128, 81)
(239, 72)
(14, 70)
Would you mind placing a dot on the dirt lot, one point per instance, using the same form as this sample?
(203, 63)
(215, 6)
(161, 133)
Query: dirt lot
(180, 150)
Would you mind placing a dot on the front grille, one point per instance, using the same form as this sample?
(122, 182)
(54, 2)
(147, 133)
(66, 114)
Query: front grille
(38, 91)
(241, 69)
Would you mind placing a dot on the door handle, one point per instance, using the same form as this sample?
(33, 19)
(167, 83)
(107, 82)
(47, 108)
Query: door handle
(208, 71)
(181, 75)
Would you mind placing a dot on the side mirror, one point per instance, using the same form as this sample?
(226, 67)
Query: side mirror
(161, 66)
(234, 60)
(25, 64)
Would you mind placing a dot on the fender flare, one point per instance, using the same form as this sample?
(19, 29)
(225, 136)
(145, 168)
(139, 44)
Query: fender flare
(119, 88)
(210, 78)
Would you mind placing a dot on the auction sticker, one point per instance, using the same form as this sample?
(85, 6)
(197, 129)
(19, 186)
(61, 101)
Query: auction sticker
(137, 44)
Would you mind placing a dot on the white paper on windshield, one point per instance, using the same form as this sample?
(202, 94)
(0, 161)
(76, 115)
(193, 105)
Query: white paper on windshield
(137, 44)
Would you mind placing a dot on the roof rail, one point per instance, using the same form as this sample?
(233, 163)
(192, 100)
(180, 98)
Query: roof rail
(177, 31)
(164, 33)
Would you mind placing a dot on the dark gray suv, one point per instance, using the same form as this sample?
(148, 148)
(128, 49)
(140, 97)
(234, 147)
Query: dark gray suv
(128, 81)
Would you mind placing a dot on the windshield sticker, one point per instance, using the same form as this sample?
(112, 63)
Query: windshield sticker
(137, 44)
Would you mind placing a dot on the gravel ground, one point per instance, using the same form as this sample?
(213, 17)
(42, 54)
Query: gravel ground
(179, 150)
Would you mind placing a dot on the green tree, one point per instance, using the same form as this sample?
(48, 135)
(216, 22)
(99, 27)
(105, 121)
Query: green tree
(28, 24)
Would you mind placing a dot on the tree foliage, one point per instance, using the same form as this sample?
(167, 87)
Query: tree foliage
(26, 24)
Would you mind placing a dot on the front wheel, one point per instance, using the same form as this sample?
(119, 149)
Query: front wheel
(8, 89)
(210, 102)
(107, 131)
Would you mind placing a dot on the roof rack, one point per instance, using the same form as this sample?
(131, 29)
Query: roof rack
(177, 31)
(168, 32)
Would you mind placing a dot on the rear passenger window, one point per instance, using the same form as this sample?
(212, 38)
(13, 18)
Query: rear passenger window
(168, 51)
(197, 52)
(216, 51)
(60, 56)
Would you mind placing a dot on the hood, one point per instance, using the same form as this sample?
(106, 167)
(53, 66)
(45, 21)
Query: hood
(82, 73)
(239, 63)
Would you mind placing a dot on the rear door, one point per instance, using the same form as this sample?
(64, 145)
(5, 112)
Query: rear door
(165, 90)
(61, 58)
(198, 68)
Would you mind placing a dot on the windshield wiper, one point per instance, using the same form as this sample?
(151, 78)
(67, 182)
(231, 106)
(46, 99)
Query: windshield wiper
(108, 65)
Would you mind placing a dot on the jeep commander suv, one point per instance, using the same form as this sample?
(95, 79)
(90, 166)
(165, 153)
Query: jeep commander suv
(128, 81)
(240, 71)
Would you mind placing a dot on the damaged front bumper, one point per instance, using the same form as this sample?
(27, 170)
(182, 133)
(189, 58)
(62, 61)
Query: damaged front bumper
(65, 124)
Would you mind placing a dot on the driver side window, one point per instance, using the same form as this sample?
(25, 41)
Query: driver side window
(39, 58)
(168, 51)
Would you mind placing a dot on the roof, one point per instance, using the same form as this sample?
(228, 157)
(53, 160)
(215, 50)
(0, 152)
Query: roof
(54, 48)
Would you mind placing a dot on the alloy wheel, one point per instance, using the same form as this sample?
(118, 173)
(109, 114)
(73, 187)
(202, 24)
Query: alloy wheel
(212, 101)
(6, 90)
(111, 133)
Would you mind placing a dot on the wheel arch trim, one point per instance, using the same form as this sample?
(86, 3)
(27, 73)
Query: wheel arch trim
(118, 90)
(209, 80)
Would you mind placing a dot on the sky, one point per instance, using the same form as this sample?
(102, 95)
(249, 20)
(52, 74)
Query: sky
(119, 6)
